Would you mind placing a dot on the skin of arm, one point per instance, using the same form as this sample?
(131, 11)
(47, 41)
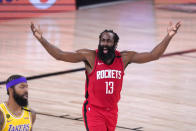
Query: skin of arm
(33, 116)
(1, 120)
(83, 55)
(134, 57)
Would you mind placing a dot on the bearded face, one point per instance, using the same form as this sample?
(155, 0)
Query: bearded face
(21, 100)
(106, 47)
(106, 52)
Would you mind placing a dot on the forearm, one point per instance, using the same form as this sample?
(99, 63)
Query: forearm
(58, 54)
(156, 53)
(51, 49)
(160, 48)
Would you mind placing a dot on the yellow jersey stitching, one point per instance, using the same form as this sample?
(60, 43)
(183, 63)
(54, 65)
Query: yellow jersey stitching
(16, 117)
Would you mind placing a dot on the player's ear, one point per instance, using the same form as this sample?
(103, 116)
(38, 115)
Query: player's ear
(10, 91)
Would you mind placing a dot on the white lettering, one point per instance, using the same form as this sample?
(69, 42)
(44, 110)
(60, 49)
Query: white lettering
(98, 75)
(115, 74)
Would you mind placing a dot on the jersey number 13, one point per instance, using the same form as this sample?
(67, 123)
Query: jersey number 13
(109, 87)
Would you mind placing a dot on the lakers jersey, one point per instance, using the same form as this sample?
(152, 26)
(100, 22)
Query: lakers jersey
(16, 123)
(104, 83)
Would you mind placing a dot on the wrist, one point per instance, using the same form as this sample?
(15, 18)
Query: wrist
(39, 37)
(169, 36)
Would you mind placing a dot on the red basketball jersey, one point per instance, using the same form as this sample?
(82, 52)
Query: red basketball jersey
(104, 83)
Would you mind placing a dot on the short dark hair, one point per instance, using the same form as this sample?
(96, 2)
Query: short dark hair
(11, 78)
(116, 37)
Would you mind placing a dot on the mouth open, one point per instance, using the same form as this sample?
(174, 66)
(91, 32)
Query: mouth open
(105, 50)
(26, 96)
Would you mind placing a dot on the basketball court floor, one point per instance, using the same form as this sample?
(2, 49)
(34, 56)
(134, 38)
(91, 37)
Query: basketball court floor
(156, 96)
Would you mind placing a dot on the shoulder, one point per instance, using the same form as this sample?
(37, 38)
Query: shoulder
(1, 115)
(33, 115)
(1, 109)
(1, 119)
(1, 104)
(86, 51)
(127, 57)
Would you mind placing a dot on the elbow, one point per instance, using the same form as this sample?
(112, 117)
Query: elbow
(156, 58)
(58, 56)
(153, 58)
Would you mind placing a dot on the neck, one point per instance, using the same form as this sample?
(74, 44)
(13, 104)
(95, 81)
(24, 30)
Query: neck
(13, 106)
(109, 61)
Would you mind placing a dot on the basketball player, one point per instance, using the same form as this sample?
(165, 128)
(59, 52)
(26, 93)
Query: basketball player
(104, 70)
(14, 114)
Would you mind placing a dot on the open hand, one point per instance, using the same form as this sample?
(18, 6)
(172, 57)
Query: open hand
(36, 31)
(172, 29)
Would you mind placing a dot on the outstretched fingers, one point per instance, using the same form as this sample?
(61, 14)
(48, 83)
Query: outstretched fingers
(33, 27)
(178, 24)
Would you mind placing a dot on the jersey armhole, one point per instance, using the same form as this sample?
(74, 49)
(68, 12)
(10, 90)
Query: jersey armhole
(4, 123)
(95, 64)
(122, 65)
(121, 61)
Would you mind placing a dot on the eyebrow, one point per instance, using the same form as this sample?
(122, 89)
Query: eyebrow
(106, 39)
(24, 84)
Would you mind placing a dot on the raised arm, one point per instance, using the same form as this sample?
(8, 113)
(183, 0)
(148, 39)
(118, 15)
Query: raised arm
(1, 120)
(134, 57)
(57, 53)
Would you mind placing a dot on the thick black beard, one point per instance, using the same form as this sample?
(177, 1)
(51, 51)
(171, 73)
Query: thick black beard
(106, 57)
(20, 100)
